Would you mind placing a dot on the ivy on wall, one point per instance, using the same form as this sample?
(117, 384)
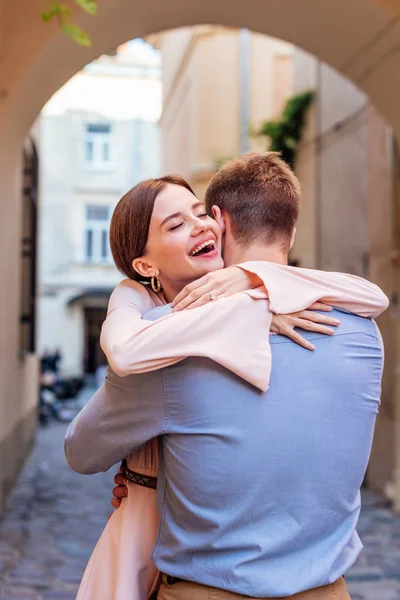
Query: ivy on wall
(285, 133)
(62, 13)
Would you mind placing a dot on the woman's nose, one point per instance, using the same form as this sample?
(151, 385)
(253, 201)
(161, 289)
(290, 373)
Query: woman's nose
(198, 226)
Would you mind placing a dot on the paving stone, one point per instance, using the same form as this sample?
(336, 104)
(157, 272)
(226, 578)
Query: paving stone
(19, 593)
(59, 595)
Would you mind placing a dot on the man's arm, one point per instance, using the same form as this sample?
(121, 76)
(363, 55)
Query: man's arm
(121, 416)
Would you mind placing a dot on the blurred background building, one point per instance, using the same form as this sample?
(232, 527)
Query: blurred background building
(219, 86)
(98, 136)
(218, 83)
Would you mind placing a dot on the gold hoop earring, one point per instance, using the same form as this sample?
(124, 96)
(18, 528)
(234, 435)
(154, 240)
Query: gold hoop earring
(155, 284)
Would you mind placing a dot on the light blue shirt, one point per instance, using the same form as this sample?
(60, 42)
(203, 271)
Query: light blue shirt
(258, 493)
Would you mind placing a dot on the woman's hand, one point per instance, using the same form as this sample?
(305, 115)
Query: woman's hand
(215, 285)
(120, 491)
(304, 319)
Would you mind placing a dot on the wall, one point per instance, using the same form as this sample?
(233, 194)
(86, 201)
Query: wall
(201, 123)
(18, 373)
(346, 174)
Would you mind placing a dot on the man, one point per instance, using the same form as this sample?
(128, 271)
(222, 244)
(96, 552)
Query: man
(258, 493)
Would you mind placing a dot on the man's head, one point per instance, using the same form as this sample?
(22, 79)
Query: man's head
(256, 198)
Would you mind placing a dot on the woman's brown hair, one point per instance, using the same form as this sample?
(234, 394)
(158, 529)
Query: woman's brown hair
(130, 222)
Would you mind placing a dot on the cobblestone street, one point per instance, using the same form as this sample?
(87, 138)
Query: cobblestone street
(56, 516)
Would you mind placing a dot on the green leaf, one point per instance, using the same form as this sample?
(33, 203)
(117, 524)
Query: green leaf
(63, 14)
(56, 9)
(76, 33)
(89, 6)
(51, 12)
(285, 133)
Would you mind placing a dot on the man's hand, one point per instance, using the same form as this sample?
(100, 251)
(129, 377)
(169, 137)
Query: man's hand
(304, 319)
(213, 286)
(120, 491)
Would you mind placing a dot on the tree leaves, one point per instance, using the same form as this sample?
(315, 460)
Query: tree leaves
(62, 13)
(285, 133)
(89, 6)
(56, 10)
(76, 33)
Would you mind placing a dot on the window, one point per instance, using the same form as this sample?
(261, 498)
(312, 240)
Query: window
(97, 224)
(98, 145)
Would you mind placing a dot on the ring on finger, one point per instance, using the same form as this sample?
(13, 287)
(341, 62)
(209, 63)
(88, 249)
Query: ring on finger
(212, 295)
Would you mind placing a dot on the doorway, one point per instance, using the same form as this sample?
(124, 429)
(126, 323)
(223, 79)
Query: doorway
(94, 357)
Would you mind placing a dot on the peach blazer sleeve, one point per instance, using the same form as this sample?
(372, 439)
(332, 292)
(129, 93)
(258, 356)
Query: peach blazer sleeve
(291, 289)
(231, 331)
(134, 345)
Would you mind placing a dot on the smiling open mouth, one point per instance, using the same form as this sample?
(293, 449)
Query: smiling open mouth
(204, 248)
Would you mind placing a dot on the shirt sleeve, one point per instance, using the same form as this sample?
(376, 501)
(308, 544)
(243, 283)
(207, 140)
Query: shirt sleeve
(119, 418)
(291, 289)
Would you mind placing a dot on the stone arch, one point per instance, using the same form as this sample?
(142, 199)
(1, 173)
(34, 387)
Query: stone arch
(358, 38)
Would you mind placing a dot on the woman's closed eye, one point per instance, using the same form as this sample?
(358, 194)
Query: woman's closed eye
(175, 227)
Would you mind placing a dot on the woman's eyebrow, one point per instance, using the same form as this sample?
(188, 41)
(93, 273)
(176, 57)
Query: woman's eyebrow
(177, 214)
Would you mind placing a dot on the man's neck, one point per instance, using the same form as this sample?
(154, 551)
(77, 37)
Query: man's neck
(236, 254)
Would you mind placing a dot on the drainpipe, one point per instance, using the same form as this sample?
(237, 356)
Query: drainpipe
(244, 89)
(318, 173)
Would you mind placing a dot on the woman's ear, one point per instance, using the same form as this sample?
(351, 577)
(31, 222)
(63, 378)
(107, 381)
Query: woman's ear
(144, 268)
(219, 217)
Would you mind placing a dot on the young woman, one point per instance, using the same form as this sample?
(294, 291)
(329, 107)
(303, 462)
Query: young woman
(162, 240)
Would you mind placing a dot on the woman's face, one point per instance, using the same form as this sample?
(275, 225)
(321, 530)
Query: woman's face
(184, 243)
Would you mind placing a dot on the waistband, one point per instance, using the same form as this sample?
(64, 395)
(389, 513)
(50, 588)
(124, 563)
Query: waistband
(338, 589)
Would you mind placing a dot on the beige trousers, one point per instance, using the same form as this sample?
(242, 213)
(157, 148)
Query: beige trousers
(185, 590)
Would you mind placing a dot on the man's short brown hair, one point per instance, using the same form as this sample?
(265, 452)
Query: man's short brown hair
(261, 196)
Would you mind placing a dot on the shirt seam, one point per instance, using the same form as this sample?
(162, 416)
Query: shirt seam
(166, 402)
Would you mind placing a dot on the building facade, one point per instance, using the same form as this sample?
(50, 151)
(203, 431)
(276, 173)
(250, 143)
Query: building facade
(98, 137)
(219, 84)
(346, 164)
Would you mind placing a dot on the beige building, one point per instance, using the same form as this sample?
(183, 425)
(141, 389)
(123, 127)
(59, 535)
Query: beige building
(219, 85)
(346, 165)
(358, 38)
(98, 137)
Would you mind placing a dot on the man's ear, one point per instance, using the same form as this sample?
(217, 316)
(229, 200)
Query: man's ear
(219, 217)
(292, 238)
(144, 268)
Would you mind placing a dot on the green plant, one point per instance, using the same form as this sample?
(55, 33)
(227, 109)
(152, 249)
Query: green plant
(285, 133)
(63, 13)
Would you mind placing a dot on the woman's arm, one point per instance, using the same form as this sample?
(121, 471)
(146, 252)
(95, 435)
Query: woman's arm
(227, 332)
(231, 331)
(290, 289)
